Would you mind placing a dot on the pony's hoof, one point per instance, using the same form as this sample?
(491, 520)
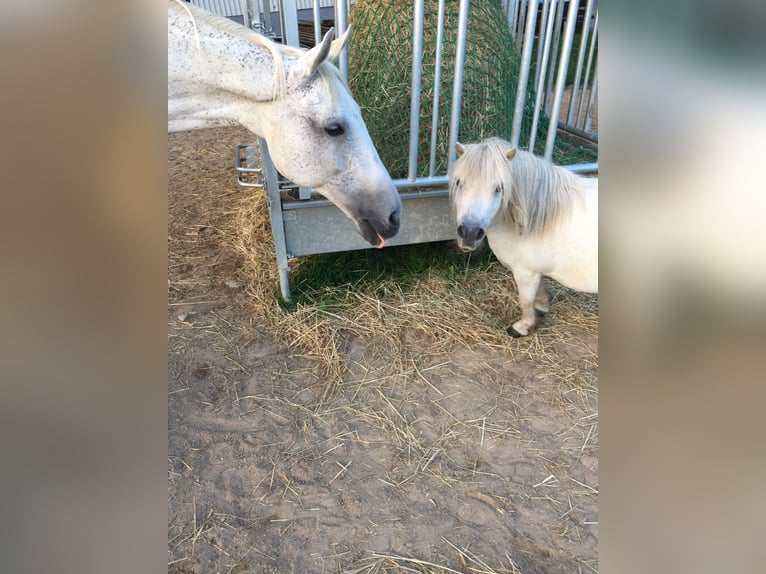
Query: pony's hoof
(513, 332)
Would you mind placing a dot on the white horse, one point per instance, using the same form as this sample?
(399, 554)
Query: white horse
(539, 219)
(222, 73)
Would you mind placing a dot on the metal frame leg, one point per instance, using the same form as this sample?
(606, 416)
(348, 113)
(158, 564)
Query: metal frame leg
(271, 182)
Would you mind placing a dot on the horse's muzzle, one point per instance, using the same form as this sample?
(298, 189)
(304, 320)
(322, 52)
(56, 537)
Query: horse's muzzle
(376, 231)
(469, 236)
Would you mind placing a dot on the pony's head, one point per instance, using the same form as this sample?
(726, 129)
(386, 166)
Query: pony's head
(479, 184)
(318, 139)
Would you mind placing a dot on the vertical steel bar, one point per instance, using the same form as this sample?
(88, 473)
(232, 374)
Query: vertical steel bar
(526, 58)
(592, 99)
(289, 11)
(245, 17)
(542, 66)
(265, 10)
(510, 13)
(457, 88)
(417, 72)
(341, 23)
(541, 44)
(271, 182)
(554, 50)
(522, 23)
(558, 91)
(591, 52)
(317, 23)
(580, 61)
(437, 87)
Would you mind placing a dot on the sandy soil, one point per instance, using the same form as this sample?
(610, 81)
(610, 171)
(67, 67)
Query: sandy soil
(475, 460)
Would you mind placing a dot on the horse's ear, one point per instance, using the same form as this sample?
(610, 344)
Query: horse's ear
(510, 153)
(459, 149)
(338, 44)
(310, 60)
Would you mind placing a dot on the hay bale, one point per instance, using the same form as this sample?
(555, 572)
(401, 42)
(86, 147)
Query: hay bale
(380, 68)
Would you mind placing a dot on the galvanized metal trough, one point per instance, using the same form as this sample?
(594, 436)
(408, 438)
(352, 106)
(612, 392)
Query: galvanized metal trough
(304, 223)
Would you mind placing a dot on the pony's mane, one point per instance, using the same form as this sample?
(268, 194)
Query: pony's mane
(535, 193)
(326, 71)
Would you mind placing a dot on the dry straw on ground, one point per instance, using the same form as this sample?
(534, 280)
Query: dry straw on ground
(442, 312)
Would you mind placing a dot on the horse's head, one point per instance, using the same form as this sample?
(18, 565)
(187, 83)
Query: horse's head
(478, 180)
(318, 140)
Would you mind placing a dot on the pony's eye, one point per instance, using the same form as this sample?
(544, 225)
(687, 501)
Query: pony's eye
(498, 190)
(334, 130)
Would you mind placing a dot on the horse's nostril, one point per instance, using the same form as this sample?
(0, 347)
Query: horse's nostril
(393, 219)
(460, 231)
(480, 235)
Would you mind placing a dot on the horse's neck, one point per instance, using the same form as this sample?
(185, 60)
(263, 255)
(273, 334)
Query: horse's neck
(214, 77)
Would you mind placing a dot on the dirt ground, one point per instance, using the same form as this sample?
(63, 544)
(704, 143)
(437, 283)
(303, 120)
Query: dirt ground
(465, 460)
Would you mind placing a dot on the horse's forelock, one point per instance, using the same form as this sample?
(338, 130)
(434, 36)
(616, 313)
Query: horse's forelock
(484, 163)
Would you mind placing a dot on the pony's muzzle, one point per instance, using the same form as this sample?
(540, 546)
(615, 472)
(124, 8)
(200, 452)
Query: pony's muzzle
(469, 236)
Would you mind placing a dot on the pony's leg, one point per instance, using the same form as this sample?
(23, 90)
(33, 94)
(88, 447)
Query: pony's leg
(528, 284)
(542, 300)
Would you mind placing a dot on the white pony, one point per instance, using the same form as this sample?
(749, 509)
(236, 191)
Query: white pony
(222, 73)
(539, 219)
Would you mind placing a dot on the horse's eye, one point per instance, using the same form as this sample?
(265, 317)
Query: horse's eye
(498, 190)
(334, 130)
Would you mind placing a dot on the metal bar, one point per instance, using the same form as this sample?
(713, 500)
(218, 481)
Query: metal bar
(265, 10)
(341, 23)
(583, 167)
(554, 50)
(436, 181)
(271, 181)
(561, 78)
(256, 22)
(317, 203)
(578, 132)
(437, 87)
(541, 45)
(289, 11)
(457, 88)
(522, 23)
(417, 73)
(317, 23)
(539, 86)
(580, 61)
(591, 99)
(521, 89)
(245, 17)
(591, 52)
(243, 153)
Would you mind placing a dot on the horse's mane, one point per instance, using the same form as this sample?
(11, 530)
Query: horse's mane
(326, 71)
(535, 193)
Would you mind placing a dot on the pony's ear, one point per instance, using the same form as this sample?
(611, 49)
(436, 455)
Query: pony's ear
(510, 153)
(338, 44)
(309, 61)
(459, 149)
